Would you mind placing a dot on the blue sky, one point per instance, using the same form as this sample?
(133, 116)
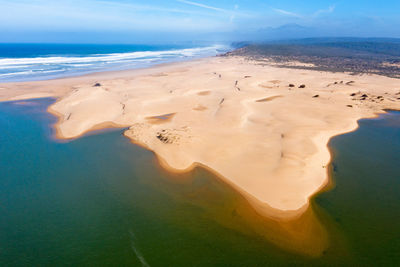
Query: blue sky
(23, 19)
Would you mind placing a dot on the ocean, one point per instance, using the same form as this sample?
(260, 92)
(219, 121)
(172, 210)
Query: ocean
(30, 62)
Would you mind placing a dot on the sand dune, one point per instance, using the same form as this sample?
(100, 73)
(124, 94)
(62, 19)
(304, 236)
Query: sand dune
(239, 119)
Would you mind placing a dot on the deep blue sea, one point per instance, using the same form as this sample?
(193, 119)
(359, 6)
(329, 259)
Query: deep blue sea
(28, 62)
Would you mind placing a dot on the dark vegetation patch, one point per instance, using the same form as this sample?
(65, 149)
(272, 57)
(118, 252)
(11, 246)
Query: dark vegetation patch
(354, 55)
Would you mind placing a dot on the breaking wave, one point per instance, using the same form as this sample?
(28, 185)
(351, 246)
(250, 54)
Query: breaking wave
(38, 68)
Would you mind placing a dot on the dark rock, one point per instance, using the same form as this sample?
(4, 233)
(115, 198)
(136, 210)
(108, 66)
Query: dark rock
(335, 167)
(97, 85)
(364, 96)
(353, 94)
(350, 106)
(316, 96)
(291, 85)
(302, 86)
(163, 138)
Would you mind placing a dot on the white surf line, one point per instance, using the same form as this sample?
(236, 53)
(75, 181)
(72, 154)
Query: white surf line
(136, 251)
(112, 57)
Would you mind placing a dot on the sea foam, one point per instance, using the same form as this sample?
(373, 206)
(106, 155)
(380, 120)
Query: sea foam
(46, 67)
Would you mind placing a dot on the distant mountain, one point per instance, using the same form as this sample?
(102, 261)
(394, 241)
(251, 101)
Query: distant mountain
(284, 32)
(287, 31)
(295, 33)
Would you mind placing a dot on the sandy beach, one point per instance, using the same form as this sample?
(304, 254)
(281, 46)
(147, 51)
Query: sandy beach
(264, 130)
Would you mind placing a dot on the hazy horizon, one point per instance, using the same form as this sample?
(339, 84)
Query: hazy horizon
(156, 21)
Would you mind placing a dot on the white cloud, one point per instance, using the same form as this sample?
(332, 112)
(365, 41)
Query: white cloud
(233, 14)
(317, 13)
(287, 13)
(75, 15)
(330, 9)
(204, 6)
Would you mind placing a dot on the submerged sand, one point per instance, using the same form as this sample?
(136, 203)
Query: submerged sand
(238, 119)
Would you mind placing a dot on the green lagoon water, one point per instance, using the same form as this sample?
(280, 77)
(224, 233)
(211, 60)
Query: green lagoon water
(101, 201)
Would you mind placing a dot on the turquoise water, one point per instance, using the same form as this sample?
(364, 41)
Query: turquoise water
(101, 201)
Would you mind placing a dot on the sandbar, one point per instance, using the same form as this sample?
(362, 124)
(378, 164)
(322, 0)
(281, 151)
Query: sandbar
(238, 119)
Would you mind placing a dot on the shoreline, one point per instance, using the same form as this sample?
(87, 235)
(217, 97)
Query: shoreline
(92, 77)
(322, 155)
(100, 126)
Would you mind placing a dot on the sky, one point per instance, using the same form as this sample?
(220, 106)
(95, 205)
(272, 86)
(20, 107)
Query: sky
(150, 20)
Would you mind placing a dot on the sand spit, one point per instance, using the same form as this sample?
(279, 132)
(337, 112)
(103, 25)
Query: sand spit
(242, 121)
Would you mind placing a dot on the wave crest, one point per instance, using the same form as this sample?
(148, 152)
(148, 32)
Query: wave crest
(13, 69)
